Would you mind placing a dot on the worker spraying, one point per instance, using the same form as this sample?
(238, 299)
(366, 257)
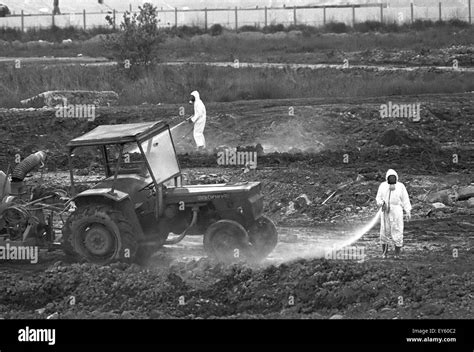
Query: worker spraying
(199, 120)
(392, 197)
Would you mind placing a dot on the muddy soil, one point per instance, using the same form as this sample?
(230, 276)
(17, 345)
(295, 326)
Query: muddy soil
(320, 147)
(428, 282)
(331, 126)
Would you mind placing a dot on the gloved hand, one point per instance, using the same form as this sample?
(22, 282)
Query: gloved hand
(408, 215)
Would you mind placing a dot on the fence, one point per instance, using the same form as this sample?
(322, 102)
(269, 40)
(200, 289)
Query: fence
(258, 16)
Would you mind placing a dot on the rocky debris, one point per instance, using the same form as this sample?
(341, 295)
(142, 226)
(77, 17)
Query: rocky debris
(438, 205)
(336, 316)
(198, 178)
(466, 192)
(290, 209)
(40, 310)
(397, 137)
(431, 57)
(446, 197)
(275, 205)
(298, 205)
(61, 97)
(432, 309)
(55, 315)
(302, 201)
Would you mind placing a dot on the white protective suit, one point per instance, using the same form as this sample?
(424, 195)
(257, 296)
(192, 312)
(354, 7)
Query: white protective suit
(199, 120)
(391, 223)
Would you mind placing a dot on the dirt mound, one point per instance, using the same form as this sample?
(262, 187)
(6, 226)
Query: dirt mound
(398, 137)
(59, 97)
(336, 128)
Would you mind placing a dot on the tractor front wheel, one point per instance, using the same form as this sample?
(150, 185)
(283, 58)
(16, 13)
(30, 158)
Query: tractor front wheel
(227, 241)
(263, 237)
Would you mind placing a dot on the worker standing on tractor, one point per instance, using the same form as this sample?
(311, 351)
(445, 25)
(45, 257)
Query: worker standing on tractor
(199, 120)
(392, 196)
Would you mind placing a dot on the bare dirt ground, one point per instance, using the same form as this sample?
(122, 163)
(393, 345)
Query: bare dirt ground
(428, 283)
(311, 147)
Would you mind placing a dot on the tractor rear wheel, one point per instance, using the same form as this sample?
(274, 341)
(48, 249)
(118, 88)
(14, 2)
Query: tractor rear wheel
(99, 234)
(263, 237)
(227, 241)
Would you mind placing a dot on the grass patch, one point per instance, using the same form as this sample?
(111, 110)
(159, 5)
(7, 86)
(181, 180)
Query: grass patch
(172, 84)
(272, 43)
(52, 34)
(256, 46)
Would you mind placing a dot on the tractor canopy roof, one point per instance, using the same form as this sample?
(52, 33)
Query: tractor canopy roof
(118, 134)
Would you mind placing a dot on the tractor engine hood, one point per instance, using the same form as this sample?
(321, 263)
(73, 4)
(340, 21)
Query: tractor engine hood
(245, 196)
(213, 191)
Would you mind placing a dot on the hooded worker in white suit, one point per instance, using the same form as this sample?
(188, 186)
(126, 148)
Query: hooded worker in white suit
(199, 120)
(392, 196)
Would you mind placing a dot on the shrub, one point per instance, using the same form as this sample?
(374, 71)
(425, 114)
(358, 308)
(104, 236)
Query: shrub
(273, 28)
(139, 37)
(368, 26)
(189, 31)
(421, 24)
(305, 29)
(249, 29)
(458, 23)
(392, 27)
(216, 29)
(336, 27)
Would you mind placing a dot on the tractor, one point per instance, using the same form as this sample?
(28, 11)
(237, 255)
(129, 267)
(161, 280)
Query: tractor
(140, 203)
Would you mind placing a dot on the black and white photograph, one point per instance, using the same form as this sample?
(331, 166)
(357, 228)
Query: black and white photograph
(261, 161)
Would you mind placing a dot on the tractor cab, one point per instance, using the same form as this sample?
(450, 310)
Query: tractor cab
(134, 157)
(145, 149)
